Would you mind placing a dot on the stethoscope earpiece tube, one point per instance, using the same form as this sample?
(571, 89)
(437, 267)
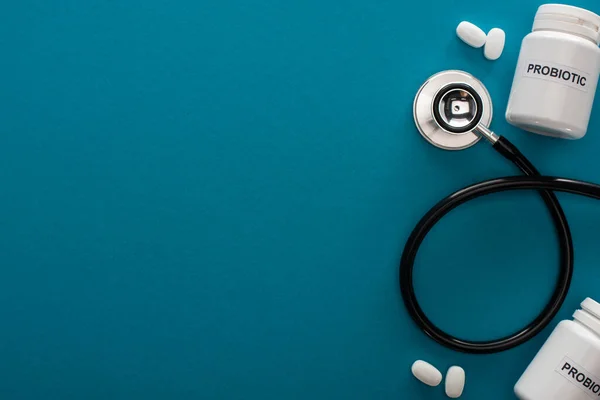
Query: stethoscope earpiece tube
(532, 180)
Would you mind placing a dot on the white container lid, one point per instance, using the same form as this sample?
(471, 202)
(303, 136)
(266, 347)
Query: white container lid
(569, 19)
(591, 306)
(589, 315)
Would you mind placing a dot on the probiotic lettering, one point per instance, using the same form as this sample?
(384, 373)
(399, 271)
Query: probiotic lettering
(581, 378)
(560, 74)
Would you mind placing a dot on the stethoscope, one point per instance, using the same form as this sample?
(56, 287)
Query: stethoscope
(453, 111)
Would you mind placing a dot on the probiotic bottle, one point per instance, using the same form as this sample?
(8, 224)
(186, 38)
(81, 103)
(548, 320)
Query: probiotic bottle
(567, 367)
(557, 73)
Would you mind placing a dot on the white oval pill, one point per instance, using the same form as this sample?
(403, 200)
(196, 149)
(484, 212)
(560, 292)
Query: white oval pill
(494, 44)
(455, 382)
(471, 34)
(426, 373)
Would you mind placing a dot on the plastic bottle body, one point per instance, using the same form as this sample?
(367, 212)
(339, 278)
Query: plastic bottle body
(555, 84)
(567, 367)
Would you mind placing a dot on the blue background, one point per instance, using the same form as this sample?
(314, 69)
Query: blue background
(209, 199)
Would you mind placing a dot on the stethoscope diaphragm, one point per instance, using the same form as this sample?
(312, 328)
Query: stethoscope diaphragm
(448, 106)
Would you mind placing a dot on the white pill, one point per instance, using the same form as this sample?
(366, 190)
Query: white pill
(471, 34)
(426, 373)
(455, 382)
(494, 44)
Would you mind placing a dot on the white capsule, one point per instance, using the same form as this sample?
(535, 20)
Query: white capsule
(494, 44)
(471, 34)
(426, 373)
(455, 382)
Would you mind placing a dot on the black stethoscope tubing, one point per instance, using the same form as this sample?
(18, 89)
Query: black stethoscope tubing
(533, 180)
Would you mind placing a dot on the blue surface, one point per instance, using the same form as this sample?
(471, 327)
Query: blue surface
(208, 200)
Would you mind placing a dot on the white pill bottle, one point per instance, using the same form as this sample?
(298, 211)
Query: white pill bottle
(567, 367)
(557, 73)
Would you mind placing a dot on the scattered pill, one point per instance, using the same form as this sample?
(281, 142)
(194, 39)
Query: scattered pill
(471, 34)
(494, 44)
(455, 382)
(426, 373)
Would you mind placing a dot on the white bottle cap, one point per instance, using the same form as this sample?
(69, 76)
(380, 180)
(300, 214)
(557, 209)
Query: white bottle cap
(591, 306)
(569, 19)
(589, 315)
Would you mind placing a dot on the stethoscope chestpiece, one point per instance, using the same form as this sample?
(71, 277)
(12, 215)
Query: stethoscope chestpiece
(457, 108)
(449, 106)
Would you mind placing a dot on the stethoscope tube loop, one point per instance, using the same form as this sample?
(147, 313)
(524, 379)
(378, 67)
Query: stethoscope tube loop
(532, 181)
